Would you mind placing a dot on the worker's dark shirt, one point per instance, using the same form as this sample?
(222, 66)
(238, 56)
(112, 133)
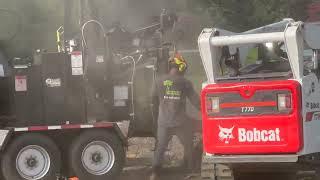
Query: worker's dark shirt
(172, 92)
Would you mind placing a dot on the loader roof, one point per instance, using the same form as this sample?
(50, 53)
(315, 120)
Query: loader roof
(295, 37)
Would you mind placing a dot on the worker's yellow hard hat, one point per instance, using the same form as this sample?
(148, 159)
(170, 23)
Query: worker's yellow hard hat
(179, 62)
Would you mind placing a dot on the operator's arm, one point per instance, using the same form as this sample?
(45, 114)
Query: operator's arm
(154, 95)
(192, 95)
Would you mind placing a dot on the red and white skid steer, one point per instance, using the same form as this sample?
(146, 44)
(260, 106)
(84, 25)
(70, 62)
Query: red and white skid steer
(261, 101)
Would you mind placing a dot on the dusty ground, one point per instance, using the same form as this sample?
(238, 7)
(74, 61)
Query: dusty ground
(144, 175)
(139, 159)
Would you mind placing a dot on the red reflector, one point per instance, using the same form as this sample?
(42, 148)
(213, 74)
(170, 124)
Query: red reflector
(213, 105)
(288, 101)
(209, 105)
(38, 128)
(309, 116)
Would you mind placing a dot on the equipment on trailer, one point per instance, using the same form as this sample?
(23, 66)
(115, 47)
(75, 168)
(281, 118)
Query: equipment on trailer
(260, 105)
(68, 105)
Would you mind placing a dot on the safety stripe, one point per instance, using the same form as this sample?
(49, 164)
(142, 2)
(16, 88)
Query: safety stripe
(65, 126)
(102, 125)
(70, 126)
(54, 127)
(86, 126)
(21, 129)
(38, 128)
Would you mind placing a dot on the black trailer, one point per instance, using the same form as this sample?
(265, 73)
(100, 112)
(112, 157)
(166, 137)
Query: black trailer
(66, 106)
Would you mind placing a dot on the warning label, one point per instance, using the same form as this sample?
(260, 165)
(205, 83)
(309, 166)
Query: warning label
(21, 83)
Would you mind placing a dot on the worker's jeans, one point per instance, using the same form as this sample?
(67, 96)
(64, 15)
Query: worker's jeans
(164, 135)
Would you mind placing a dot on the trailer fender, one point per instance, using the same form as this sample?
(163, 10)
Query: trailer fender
(5, 135)
(121, 133)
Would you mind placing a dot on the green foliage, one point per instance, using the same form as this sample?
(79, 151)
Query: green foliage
(242, 15)
(41, 18)
(36, 22)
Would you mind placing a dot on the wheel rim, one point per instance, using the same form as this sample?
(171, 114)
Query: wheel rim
(33, 162)
(98, 158)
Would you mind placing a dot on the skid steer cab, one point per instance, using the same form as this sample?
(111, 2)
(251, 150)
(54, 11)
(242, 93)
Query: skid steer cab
(260, 104)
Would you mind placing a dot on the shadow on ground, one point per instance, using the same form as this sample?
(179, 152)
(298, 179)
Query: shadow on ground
(140, 169)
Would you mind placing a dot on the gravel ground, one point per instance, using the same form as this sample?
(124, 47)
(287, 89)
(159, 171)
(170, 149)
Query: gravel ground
(139, 159)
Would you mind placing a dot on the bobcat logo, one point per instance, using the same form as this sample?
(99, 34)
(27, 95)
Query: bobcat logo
(225, 134)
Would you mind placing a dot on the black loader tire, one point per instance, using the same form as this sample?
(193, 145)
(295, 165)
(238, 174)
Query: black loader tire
(8, 161)
(90, 136)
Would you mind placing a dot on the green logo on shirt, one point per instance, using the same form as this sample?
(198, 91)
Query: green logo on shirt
(168, 83)
(169, 92)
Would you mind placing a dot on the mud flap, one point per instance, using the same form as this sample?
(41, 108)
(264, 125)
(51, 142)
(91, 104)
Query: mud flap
(5, 135)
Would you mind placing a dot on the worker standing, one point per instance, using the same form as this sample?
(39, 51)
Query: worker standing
(171, 91)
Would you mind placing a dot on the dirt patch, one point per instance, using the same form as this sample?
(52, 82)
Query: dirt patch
(143, 148)
(139, 159)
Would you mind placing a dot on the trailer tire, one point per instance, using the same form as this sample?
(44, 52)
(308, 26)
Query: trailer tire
(97, 155)
(29, 152)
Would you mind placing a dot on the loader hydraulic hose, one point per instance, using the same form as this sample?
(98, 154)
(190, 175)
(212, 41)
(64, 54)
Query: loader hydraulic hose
(60, 39)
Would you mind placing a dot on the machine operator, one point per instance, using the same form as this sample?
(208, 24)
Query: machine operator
(171, 91)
